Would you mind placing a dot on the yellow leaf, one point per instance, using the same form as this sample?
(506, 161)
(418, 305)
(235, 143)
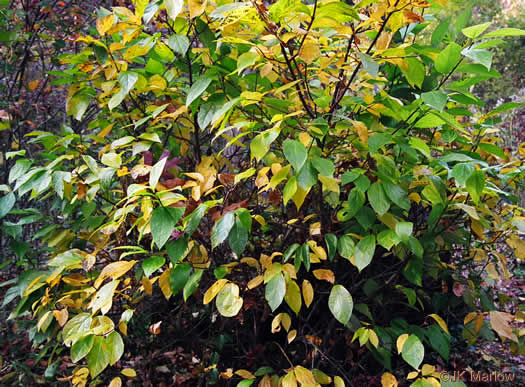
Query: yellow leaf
(245, 374)
(276, 323)
(401, 341)
(33, 85)
(147, 285)
(291, 335)
(115, 382)
(123, 327)
(286, 321)
(214, 290)
(61, 316)
(196, 7)
(308, 293)
(469, 317)
(129, 372)
(164, 283)
(260, 220)
(304, 376)
(324, 275)
(384, 40)
(103, 299)
(293, 296)
(289, 380)
(415, 197)
(114, 270)
(104, 24)
(266, 70)
(309, 51)
(427, 369)
(388, 380)
(256, 281)
(440, 322)
(412, 375)
(372, 338)
(339, 382)
(299, 196)
(44, 321)
(362, 131)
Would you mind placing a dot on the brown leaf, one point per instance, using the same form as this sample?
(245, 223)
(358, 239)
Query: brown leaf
(226, 178)
(155, 328)
(275, 197)
(500, 323)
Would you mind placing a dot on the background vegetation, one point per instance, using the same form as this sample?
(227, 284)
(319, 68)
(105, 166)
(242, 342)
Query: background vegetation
(260, 193)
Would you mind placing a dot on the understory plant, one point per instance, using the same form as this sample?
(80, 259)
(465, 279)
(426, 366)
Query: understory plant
(308, 178)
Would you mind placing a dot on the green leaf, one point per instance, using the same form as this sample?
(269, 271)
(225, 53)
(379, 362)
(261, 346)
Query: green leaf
(415, 72)
(197, 89)
(163, 222)
(99, 356)
(81, 348)
(493, 149)
(376, 141)
(397, 195)
(156, 172)
(439, 340)
(448, 58)
(421, 146)
(179, 43)
(260, 144)
(303, 256)
(345, 246)
(246, 60)
(364, 252)
(504, 32)
(6, 204)
(387, 239)
(221, 229)
(462, 171)
(369, 64)
(475, 184)
(289, 252)
(435, 99)
(152, 264)
(483, 57)
(192, 284)
(127, 80)
(194, 219)
(295, 152)
(176, 249)
(80, 323)
(475, 31)
(179, 276)
(116, 347)
(331, 245)
(275, 291)
(378, 199)
(404, 230)
(341, 304)
(349, 177)
(356, 199)
(173, 8)
(289, 189)
(413, 351)
(324, 166)
(238, 237)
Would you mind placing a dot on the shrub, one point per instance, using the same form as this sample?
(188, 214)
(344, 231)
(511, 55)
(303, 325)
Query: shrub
(312, 170)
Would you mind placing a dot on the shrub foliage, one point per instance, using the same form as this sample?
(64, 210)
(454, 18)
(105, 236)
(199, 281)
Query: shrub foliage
(310, 175)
